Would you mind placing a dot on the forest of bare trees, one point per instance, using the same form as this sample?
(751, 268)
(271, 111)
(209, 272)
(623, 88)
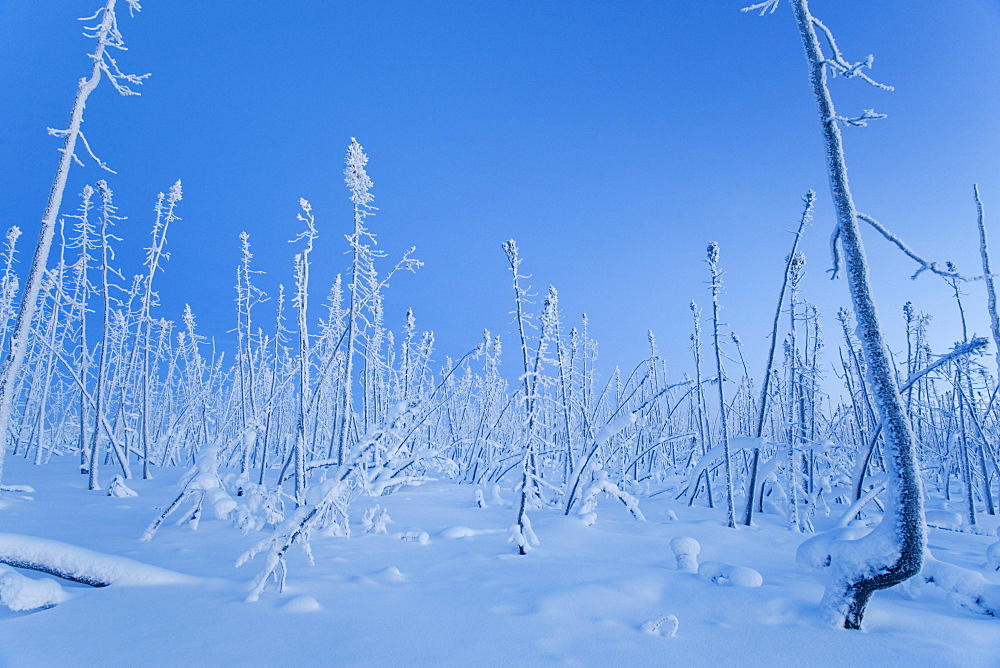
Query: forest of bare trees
(326, 399)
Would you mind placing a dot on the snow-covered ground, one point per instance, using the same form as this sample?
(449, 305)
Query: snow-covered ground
(444, 587)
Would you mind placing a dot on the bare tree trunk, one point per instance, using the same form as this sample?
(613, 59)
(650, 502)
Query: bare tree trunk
(716, 285)
(809, 200)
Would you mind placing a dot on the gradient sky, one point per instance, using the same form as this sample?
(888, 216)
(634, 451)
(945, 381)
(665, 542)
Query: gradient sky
(612, 140)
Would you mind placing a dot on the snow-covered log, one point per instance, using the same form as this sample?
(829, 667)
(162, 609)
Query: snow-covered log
(78, 564)
(968, 589)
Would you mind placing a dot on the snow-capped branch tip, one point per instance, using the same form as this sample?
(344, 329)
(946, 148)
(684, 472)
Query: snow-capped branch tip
(175, 194)
(862, 120)
(713, 252)
(357, 178)
(510, 248)
(766, 7)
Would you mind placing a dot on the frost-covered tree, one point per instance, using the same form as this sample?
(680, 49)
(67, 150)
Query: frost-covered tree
(893, 551)
(521, 532)
(364, 311)
(108, 36)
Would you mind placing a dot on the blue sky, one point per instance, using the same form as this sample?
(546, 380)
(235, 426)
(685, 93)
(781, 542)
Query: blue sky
(611, 140)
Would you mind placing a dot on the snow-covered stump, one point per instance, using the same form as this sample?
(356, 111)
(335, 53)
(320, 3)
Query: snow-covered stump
(686, 551)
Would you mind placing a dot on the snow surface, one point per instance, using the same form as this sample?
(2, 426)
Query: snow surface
(605, 595)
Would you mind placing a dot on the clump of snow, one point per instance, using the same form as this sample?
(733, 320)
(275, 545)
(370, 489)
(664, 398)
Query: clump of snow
(119, 489)
(686, 551)
(202, 483)
(615, 426)
(497, 499)
(258, 507)
(205, 478)
(671, 516)
(727, 574)
(993, 557)
(480, 499)
(300, 604)
(588, 504)
(846, 555)
(20, 593)
(375, 519)
(665, 626)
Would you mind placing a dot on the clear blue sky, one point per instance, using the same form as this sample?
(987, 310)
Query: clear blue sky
(612, 140)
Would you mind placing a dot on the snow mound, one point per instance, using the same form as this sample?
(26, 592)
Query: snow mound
(390, 574)
(20, 593)
(727, 574)
(458, 532)
(300, 604)
(81, 565)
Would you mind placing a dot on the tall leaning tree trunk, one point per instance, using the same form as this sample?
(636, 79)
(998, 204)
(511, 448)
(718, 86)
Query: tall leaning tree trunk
(18, 343)
(894, 551)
